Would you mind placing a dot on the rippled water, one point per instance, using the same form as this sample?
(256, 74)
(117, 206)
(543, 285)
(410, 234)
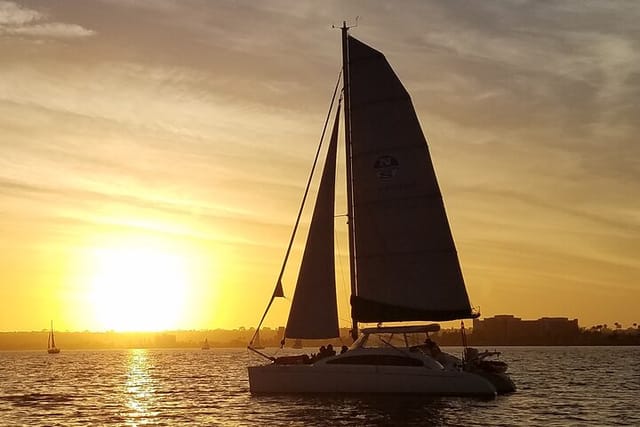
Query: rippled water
(557, 386)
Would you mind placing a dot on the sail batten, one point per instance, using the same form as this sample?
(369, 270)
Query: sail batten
(380, 101)
(400, 253)
(406, 261)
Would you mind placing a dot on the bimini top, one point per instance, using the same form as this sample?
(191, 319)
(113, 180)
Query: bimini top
(412, 329)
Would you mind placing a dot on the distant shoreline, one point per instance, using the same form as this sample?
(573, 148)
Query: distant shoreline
(239, 338)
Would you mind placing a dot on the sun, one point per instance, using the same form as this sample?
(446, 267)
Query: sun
(138, 288)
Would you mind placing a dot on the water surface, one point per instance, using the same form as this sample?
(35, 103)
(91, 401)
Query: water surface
(558, 386)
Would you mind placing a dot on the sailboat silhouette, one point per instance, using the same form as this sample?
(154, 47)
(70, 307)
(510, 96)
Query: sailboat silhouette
(51, 342)
(403, 262)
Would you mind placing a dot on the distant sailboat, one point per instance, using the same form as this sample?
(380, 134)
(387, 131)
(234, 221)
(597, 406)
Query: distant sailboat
(205, 344)
(51, 342)
(403, 261)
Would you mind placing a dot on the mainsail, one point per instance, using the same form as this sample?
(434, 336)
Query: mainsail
(314, 311)
(406, 262)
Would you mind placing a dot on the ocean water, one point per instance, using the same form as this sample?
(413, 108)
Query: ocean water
(558, 386)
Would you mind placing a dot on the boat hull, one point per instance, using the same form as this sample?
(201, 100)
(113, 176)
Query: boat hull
(501, 381)
(323, 378)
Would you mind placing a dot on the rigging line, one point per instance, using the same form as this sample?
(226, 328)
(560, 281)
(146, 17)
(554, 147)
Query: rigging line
(278, 289)
(393, 346)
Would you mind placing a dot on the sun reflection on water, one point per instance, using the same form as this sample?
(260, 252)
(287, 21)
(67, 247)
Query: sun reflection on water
(139, 389)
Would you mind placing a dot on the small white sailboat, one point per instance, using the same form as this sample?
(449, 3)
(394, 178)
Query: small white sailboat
(403, 261)
(51, 342)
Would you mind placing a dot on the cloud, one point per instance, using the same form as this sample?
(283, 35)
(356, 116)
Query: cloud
(12, 14)
(55, 30)
(76, 209)
(21, 21)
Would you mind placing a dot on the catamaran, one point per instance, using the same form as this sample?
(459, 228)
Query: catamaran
(51, 342)
(403, 261)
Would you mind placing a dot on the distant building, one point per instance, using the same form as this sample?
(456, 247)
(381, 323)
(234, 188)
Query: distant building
(507, 329)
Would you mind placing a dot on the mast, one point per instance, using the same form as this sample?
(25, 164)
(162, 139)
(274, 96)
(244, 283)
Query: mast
(347, 144)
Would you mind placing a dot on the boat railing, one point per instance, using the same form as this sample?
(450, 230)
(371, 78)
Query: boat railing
(266, 356)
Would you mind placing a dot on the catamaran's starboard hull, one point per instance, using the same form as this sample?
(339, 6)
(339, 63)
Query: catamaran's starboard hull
(323, 378)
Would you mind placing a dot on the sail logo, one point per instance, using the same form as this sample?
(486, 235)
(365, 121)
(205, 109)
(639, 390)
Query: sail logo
(386, 167)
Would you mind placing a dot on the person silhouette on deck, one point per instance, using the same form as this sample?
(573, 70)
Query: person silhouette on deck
(432, 346)
(330, 350)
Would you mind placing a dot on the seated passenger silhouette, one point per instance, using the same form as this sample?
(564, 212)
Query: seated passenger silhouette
(433, 347)
(330, 350)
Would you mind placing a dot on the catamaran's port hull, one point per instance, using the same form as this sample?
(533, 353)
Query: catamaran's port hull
(325, 378)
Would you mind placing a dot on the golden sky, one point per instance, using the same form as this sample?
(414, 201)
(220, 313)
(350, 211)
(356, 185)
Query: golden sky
(153, 153)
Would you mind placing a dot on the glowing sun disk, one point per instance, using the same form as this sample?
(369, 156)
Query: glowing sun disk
(138, 288)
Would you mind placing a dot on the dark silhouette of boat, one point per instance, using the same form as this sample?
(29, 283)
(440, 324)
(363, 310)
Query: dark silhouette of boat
(403, 262)
(51, 342)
